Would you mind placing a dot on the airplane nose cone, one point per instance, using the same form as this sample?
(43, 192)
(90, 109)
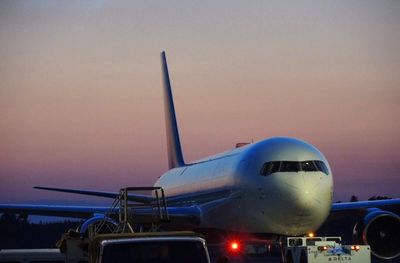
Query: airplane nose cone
(303, 202)
(304, 198)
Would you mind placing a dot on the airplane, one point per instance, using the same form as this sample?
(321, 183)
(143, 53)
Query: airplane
(277, 187)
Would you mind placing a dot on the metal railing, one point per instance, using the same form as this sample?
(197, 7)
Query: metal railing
(127, 204)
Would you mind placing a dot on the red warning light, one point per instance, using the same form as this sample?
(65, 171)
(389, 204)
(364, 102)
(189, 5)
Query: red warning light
(234, 246)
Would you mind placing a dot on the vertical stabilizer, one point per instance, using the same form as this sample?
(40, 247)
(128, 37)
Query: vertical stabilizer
(175, 157)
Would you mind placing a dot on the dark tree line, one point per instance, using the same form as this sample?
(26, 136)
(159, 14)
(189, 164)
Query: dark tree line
(17, 232)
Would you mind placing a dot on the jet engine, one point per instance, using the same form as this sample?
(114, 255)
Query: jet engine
(381, 231)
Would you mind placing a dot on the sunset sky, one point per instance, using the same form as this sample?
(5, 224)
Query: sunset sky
(81, 99)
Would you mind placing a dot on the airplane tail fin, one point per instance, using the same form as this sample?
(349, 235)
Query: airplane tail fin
(175, 157)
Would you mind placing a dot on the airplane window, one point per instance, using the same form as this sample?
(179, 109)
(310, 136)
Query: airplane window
(289, 167)
(308, 166)
(321, 167)
(270, 168)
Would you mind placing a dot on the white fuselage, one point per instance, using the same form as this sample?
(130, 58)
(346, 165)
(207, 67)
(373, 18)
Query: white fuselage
(234, 195)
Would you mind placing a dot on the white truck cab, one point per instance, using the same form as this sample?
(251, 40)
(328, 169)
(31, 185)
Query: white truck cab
(324, 249)
(162, 247)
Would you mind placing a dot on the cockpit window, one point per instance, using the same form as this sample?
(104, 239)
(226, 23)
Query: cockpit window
(308, 166)
(321, 167)
(291, 166)
(270, 168)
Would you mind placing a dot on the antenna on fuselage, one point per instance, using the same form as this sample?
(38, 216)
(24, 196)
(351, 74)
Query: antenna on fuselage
(175, 157)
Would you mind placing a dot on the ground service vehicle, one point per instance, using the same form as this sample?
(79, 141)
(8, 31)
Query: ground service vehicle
(149, 247)
(162, 247)
(324, 249)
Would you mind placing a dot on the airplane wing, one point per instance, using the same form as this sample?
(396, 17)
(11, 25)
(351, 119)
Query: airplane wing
(136, 197)
(179, 215)
(360, 208)
(142, 213)
(362, 205)
(191, 213)
(53, 210)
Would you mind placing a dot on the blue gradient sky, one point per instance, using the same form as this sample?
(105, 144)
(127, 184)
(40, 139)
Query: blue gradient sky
(81, 100)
